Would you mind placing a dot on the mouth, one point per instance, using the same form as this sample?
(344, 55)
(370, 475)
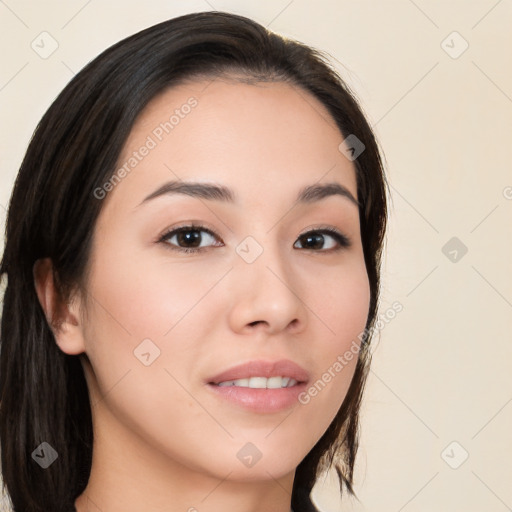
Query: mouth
(260, 382)
(260, 386)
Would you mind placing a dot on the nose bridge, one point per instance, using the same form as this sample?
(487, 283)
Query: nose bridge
(263, 257)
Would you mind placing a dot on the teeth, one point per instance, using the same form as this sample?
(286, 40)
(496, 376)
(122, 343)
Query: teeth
(261, 382)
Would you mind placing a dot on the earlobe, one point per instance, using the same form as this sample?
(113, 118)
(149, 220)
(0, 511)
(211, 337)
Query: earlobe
(63, 318)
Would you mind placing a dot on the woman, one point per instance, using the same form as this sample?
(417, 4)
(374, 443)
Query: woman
(192, 251)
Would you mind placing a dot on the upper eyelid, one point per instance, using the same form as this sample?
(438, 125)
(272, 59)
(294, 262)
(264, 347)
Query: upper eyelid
(190, 226)
(199, 227)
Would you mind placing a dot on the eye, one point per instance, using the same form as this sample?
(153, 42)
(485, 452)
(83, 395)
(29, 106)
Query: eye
(316, 239)
(189, 238)
(196, 238)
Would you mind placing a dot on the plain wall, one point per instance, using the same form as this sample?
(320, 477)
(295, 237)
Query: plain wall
(441, 385)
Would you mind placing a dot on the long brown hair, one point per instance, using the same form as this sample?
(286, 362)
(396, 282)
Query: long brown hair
(53, 210)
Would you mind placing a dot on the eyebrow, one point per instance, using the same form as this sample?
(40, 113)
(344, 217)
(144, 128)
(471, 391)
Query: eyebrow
(308, 194)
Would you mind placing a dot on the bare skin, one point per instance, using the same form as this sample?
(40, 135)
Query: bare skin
(163, 440)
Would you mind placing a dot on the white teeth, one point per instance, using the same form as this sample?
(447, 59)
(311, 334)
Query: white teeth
(261, 382)
(274, 382)
(256, 382)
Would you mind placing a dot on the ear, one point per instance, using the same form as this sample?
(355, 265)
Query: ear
(63, 318)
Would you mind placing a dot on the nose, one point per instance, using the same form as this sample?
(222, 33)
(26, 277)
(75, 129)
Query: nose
(265, 295)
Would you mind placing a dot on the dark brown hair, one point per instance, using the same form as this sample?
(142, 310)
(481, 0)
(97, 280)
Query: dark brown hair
(53, 210)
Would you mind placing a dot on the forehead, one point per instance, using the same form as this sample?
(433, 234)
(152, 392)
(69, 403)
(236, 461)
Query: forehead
(259, 139)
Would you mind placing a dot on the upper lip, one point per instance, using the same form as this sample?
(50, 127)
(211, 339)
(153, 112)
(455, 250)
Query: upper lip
(281, 368)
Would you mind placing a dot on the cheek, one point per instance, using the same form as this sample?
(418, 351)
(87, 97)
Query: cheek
(160, 309)
(342, 312)
(147, 316)
(342, 304)
(148, 300)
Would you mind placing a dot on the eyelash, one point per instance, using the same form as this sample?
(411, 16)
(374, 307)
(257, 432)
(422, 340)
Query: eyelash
(343, 240)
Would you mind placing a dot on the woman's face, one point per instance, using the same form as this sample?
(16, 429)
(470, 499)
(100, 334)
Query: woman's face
(163, 323)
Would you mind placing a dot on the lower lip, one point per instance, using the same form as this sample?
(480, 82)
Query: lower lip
(260, 400)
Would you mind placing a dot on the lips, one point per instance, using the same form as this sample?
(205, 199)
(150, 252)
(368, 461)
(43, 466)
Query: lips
(281, 368)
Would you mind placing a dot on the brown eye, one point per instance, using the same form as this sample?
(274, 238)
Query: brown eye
(318, 239)
(189, 238)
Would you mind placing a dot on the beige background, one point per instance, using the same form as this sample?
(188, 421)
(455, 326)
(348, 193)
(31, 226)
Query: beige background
(441, 370)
